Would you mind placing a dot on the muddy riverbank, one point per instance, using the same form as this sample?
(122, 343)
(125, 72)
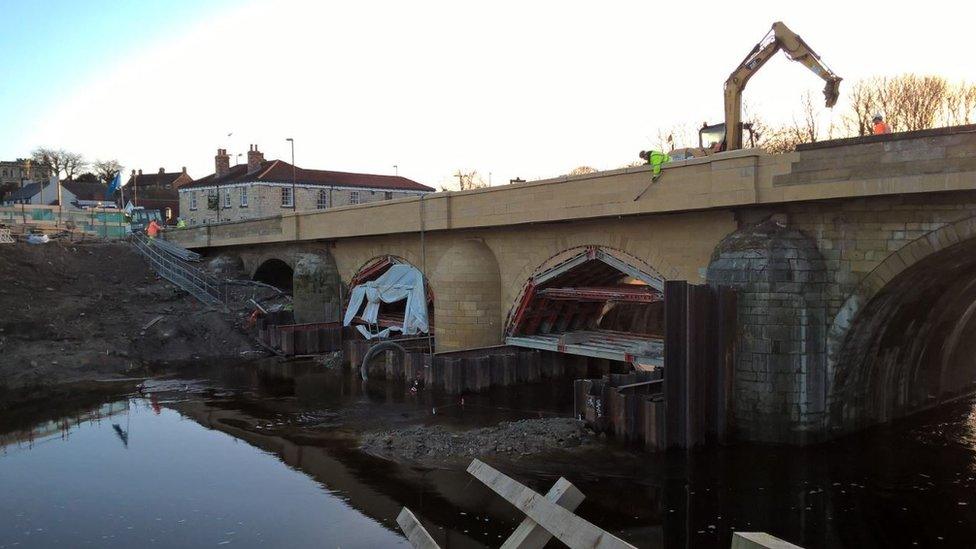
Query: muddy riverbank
(76, 315)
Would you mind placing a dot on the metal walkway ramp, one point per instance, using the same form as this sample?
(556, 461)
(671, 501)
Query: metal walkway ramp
(176, 250)
(207, 289)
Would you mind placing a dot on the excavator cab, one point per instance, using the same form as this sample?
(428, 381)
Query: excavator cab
(712, 138)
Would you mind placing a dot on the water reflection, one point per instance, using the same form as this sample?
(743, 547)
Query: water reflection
(273, 447)
(176, 484)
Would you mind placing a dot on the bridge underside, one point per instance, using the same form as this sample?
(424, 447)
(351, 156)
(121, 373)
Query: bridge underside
(593, 304)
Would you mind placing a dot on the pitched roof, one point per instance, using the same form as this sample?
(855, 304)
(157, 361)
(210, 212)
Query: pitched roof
(158, 204)
(278, 171)
(155, 179)
(85, 190)
(27, 191)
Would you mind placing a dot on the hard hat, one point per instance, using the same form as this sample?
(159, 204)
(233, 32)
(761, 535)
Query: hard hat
(877, 116)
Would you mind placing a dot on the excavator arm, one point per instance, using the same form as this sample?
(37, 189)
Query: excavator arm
(779, 38)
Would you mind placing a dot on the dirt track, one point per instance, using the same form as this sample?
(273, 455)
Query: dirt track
(77, 312)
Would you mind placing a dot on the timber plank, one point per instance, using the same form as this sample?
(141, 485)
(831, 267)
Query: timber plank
(568, 528)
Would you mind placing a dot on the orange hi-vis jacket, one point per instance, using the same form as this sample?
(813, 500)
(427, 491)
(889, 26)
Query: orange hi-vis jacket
(880, 127)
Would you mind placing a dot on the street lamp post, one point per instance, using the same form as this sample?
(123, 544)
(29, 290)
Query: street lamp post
(294, 197)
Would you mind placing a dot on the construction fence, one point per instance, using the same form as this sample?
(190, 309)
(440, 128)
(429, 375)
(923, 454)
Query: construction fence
(106, 223)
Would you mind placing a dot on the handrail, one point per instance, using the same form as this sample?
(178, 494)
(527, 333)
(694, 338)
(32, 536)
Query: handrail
(177, 251)
(200, 285)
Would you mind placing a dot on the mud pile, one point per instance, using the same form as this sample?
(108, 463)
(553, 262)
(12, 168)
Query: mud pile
(91, 311)
(512, 438)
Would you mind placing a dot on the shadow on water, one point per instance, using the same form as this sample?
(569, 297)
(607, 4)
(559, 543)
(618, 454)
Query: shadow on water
(896, 485)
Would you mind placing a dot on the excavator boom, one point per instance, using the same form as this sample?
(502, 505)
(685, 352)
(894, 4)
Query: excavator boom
(780, 37)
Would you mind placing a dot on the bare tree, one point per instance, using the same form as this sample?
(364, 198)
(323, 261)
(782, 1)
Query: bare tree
(863, 106)
(73, 162)
(468, 180)
(675, 137)
(106, 169)
(59, 161)
(775, 139)
(922, 100)
(47, 158)
(634, 164)
(909, 102)
(778, 139)
(582, 170)
(960, 104)
(807, 129)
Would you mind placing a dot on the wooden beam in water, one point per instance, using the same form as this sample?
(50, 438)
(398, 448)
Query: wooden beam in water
(759, 540)
(416, 534)
(529, 534)
(568, 528)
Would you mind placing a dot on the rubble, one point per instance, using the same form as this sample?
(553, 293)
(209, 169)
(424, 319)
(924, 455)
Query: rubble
(511, 438)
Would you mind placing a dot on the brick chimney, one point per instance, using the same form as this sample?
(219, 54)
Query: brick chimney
(140, 172)
(221, 163)
(184, 170)
(162, 171)
(254, 159)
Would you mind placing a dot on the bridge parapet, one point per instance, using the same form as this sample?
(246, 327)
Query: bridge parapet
(725, 180)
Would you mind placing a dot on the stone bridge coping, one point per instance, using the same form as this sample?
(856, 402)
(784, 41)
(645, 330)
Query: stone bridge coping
(903, 164)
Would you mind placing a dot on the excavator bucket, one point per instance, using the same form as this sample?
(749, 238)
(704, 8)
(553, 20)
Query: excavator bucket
(832, 91)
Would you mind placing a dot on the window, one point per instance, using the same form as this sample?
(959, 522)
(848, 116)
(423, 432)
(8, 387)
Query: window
(323, 201)
(243, 197)
(193, 200)
(387, 195)
(287, 200)
(227, 198)
(354, 197)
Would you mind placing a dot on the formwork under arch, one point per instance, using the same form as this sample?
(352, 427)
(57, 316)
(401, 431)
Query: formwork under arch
(592, 301)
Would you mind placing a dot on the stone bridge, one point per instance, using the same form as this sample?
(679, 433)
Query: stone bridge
(855, 263)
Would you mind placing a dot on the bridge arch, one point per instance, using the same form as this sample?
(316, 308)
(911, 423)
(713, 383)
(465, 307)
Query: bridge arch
(593, 301)
(275, 272)
(905, 340)
(389, 313)
(376, 265)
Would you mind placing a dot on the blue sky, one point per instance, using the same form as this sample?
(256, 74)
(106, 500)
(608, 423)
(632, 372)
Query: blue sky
(50, 46)
(511, 88)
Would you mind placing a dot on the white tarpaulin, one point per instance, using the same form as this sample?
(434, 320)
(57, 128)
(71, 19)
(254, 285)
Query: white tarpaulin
(400, 282)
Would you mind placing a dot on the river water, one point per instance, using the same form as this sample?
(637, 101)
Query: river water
(266, 456)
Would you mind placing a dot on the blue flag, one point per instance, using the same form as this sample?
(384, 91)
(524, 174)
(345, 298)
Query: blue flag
(114, 186)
